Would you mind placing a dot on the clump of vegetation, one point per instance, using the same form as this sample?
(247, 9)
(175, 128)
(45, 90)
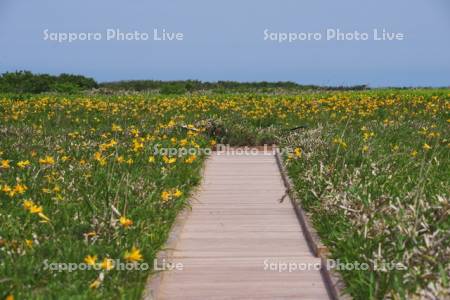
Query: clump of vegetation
(22, 82)
(233, 133)
(373, 174)
(173, 89)
(219, 87)
(82, 183)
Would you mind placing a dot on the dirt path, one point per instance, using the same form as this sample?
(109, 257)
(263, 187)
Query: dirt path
(238, 237)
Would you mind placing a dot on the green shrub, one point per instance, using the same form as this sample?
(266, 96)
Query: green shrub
(66, 87)
(173, 89)
(20, 82)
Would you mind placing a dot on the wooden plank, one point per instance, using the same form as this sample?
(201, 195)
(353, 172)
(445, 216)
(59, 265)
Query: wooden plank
(236, 224)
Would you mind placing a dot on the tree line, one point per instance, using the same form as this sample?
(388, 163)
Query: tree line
(22, 82)
(188, 86)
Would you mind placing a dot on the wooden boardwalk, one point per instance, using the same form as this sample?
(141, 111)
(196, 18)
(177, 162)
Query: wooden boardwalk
(238, 236)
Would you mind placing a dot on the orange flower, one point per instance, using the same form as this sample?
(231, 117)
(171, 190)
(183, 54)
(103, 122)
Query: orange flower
(165, 196)
(125, 222)
(190, 159)
(4, 164)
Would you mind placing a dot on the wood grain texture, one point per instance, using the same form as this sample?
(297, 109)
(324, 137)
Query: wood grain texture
(236, 234)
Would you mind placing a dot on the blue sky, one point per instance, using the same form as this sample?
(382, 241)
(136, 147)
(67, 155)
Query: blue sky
(224, 40)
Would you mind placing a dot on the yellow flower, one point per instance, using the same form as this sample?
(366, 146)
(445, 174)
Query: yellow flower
(46, 191)
(107, 264)
(112, 143)
(134, 132)
(165, 196)
(340, 142)
(367, 135)
(191, 159)
(23, 164)
(151, 159)
(35, 209)
(95, 284)
(120, 159)
(99, 157)
(90, 234)
(125, 222)
(137, 145)
(6, 189)
(169, 160)
(171, 123)
(29, 243)
(91, 260)
(178, 193)
(298, 152)
(5, 164)
(27, 204)
(44, 217)
(426, 147)
(413, 153)
(9, 297)
(116, 128)
(133, 255)
(20, 188)
(48, 160)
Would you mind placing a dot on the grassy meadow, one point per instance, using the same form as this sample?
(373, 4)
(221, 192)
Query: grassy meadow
(80, 182)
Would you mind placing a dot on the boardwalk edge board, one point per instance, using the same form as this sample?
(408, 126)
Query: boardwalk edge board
(152, 286)
(153, 283)
(333, 280)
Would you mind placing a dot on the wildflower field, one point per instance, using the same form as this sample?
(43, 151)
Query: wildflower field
(81, 182)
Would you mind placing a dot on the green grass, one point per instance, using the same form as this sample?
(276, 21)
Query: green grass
(370, 197)
(81, 193)
(383, 198)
